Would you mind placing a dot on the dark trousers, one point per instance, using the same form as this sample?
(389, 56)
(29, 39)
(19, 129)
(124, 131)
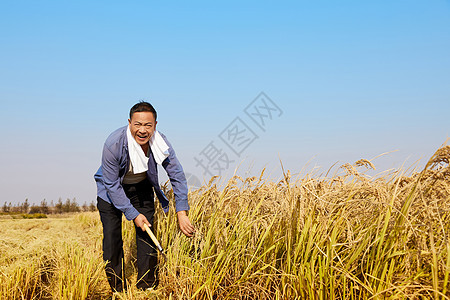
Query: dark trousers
(141, 197)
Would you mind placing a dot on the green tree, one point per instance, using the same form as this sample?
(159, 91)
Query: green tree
(59, 206)
(34, 209)
(74, 206)
(25, 206)
(44, 207)
(66, 206)
(92, 206)
(84, 207)
(6, 208)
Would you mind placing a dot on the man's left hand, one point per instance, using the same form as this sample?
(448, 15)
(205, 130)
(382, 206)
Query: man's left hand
(184, 223)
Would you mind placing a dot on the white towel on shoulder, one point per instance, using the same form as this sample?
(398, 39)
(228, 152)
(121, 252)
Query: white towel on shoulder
(138, 158)
(159, 147)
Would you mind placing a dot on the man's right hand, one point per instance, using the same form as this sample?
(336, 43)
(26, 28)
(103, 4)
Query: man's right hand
(140, 220)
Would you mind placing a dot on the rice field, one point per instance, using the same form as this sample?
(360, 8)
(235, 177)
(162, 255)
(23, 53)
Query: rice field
(343, 235)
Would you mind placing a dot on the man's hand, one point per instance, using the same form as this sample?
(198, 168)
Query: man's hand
(140, 220)
(184, 223)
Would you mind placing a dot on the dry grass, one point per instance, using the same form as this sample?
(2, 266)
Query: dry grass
(51, 258)
(348, 236)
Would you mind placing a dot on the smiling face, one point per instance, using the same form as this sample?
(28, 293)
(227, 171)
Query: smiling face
(142, 127)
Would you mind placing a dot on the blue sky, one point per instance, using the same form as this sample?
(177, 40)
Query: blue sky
(352, 80)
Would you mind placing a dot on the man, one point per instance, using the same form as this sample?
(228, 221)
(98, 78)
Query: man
(126, 182)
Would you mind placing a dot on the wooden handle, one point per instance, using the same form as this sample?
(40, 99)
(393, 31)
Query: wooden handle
(153, 237)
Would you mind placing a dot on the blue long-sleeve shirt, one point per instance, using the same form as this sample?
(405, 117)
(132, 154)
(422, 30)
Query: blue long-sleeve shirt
(115, 164)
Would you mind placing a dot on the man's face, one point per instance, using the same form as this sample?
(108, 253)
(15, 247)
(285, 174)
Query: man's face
(142, 126)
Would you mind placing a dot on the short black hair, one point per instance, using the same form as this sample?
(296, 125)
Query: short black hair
(142, 106)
